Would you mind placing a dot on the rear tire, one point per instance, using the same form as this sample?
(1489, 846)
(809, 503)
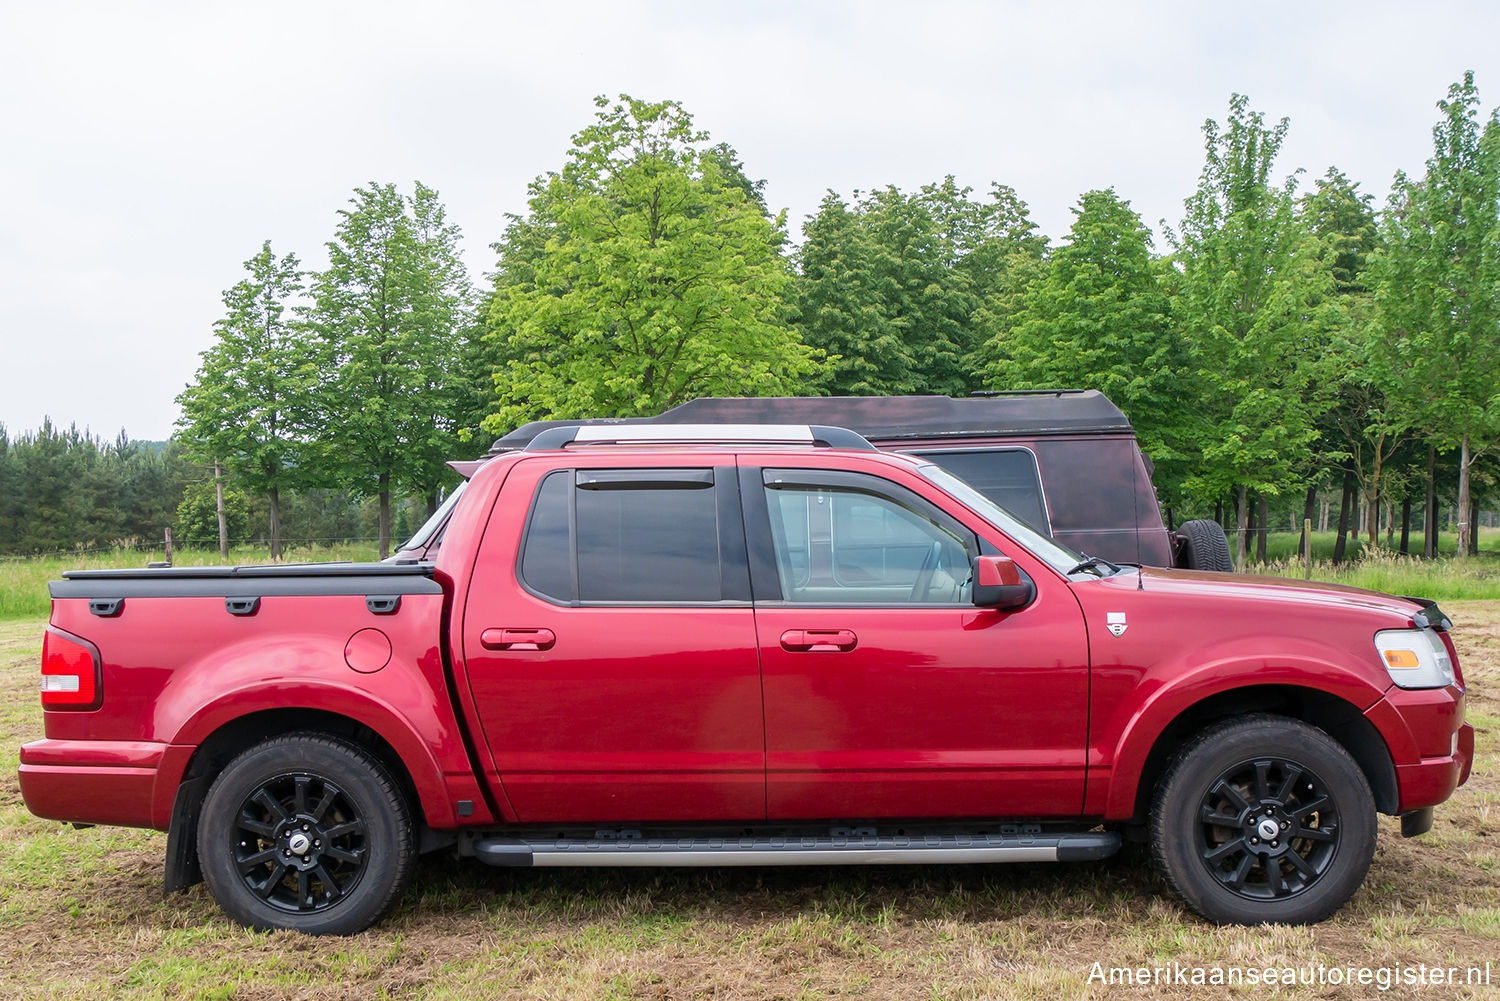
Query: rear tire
(1205, 546)
(1264, 819)
(306, 832)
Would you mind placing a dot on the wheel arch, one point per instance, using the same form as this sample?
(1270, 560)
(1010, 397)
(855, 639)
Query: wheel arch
(231, 738)
(1335, 716)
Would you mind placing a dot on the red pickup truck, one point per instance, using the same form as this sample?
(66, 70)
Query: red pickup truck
(730, 646)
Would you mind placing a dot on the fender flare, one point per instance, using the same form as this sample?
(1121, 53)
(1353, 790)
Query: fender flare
(1162, 708)
(316, 695)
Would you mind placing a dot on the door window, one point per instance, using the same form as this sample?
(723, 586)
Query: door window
(624, 536)
(844, 545)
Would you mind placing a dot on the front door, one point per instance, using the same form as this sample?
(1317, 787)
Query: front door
(887, 693)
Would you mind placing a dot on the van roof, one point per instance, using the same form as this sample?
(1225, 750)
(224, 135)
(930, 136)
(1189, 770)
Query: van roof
(885, 418)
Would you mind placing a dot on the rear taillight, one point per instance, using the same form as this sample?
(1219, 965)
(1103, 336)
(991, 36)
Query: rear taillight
(70, 672)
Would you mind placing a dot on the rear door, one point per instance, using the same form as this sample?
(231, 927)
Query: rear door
(610, 644)
(888, 694)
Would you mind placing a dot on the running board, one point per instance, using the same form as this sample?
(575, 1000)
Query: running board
(947, 849)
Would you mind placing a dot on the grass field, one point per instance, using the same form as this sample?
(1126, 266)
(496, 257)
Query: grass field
(82, 916)
(1446, 579)
(1283, 545)
(23, 582)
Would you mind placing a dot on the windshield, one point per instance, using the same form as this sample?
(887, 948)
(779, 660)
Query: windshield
(431, 525)
(1060, 558)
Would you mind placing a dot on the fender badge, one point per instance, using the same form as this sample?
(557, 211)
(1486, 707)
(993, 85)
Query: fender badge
(1115, 622)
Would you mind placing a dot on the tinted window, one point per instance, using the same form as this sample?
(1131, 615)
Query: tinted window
(1006, 476)
(547, 559)
(838, 546)
(646, 537)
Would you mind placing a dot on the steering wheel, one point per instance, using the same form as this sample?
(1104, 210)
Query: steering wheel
(925, 572)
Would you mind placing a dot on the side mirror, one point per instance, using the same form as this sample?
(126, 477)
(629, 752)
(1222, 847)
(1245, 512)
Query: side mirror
(999, 583)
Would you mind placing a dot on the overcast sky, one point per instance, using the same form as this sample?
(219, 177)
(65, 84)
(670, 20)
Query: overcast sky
(148, 149)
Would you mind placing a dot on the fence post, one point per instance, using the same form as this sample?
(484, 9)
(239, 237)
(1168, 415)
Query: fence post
(167, 536)
(1307, 549)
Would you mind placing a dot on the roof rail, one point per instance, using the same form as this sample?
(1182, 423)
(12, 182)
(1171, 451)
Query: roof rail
(654, 434)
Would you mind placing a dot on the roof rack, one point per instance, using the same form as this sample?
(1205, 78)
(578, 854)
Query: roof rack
(790, 434)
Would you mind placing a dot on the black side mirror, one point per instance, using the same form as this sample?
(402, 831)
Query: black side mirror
(999, 583)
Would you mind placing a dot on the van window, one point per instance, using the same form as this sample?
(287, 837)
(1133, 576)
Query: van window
(1007, 476)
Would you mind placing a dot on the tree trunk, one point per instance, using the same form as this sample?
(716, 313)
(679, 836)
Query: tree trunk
(1463, 507)
(275, 523)
(1219, 510)
(1309, 506)
(1406, 524)
(1262, 527)
(219, 510)
(1429, 511)
(385, 515)
(1372, 512)
(1241, 526)
(1340, 543)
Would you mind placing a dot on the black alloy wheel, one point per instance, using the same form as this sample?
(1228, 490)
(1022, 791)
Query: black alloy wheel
(1268, 828)
(1263, 819)
(302, 845)
(306, 832)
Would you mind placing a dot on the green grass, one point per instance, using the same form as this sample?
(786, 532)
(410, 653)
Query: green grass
(1475, 578)
(1282, 546)
(23, 582)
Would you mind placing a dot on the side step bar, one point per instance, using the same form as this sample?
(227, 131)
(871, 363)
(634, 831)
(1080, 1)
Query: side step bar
(945, 848)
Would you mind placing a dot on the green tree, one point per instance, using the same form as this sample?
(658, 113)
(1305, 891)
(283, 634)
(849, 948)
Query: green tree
(1361, 429)
(250, 406)
(881, 295)
(645, 274)
(1438, 289)
(1252, 301)
(840, 311)
(1098, 317)
(197, 517)
(897, 289)
(390, 310)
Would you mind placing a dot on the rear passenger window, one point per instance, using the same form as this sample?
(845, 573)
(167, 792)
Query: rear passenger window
(1007, 476)
(626, 536)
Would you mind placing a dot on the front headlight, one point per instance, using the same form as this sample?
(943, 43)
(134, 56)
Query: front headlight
(1415, 658)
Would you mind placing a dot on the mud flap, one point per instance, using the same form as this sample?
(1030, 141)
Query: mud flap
(182, 869)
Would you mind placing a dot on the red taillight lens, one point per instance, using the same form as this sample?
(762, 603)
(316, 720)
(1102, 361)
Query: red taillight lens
(70, 672)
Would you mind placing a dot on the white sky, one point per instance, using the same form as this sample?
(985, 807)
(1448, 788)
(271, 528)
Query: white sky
(148, 149)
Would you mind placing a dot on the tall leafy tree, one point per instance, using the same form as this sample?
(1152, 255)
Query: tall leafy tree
(1360, 430)
(390, 311)
(646, 273)
(894, 288)
(1438, 288)
(249, 407)
(1252, 301)
(840, 308)
(1098, 317)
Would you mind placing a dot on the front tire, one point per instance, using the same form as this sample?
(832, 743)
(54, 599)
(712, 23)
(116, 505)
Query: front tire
(1264, 819)
(306, 832)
